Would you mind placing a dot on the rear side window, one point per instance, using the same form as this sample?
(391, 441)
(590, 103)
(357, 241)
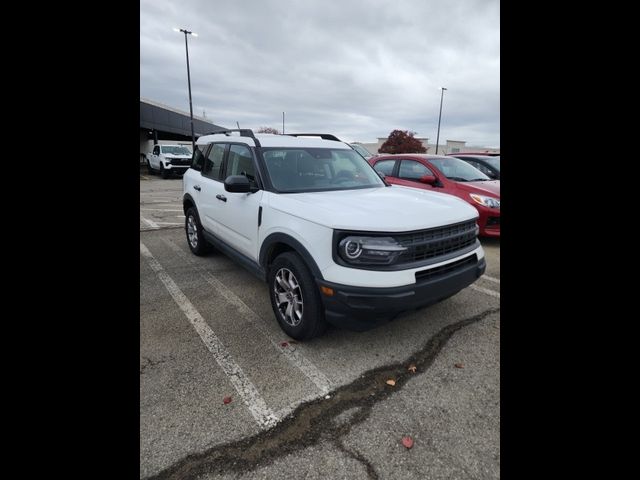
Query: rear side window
(213, 162)
(385, 167)
(197, 162)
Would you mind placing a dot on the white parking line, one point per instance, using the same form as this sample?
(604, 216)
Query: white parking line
(291, 353)
(164, 209)
(487, 277)
(486, 290)
(155, 196)
(151, 223)
(245, 388)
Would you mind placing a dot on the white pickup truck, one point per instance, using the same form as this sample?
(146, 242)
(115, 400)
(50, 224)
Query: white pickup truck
(168, 159)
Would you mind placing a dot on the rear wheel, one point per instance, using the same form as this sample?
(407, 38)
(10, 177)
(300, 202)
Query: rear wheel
(195, 238)
(295, 297)
(149, 169)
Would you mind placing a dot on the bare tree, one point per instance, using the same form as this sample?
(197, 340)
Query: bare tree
(268, 130)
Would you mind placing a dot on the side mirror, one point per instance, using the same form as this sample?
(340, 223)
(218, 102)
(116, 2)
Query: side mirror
(430, 179)
(237, 184)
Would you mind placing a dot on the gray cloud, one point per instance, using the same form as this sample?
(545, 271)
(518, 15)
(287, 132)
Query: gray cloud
(355, 68)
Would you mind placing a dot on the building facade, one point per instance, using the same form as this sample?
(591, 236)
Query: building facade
(162, 124)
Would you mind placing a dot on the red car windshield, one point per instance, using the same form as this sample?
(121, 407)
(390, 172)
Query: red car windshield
(458, 170)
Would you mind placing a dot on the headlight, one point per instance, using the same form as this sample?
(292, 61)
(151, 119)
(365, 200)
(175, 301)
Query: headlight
(369, 250)
(485, 201)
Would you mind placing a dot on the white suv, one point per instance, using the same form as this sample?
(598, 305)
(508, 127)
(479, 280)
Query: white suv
(333, 240)
(168, 159)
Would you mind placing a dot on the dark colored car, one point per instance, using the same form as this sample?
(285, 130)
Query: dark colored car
(489, 165)
(446, 174)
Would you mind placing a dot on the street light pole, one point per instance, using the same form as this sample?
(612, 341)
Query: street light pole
(439, 117)
(186, 45)
(283, 123)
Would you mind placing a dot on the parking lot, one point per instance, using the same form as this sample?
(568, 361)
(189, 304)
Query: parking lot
(224, 393)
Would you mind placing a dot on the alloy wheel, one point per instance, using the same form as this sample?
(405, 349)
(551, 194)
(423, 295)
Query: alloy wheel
(288, 296)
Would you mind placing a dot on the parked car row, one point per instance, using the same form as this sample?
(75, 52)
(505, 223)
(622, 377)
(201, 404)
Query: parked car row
(446, 174)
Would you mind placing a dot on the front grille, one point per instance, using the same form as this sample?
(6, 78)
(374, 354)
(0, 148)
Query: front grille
(435, 242)
(448, 268)
(493, 221)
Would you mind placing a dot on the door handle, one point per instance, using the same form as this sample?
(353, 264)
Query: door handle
(221, 197)
(197, 187)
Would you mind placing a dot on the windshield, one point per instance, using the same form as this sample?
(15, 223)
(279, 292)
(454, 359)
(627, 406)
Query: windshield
(318, 169)
(362, 151)
(177, 150)
(457, 170)
(494, 162)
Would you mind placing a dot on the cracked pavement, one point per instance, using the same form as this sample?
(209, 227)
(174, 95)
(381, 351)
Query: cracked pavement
(186, 431)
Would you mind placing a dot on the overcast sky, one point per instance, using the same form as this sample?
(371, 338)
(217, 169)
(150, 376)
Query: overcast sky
(355, 68)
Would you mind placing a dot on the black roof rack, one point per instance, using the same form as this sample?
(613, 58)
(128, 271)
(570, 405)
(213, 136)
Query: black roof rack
(244, 132)
(324, 136)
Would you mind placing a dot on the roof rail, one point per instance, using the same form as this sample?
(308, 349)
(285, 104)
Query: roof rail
(324, 136)
(244, 132)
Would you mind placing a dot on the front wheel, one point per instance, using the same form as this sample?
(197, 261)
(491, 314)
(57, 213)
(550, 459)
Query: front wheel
(295, 297)
(163, 172)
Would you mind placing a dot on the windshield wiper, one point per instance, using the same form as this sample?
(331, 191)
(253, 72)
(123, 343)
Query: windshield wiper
(478, 180)
(458, 179)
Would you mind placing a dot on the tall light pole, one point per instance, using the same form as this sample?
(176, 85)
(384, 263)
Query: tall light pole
(186, 46)
(439, 117)
(283, 123)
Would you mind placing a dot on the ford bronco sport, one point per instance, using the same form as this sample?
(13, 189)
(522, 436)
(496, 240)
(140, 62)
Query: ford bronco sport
(332, 239)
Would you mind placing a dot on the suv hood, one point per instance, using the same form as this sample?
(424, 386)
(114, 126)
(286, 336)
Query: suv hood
(384, 209)
(180, 157)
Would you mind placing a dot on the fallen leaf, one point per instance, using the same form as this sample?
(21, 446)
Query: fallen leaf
(412, 368)
(459, 365)
(407, 442)
(292, 342)
(391, 382)
(284, 344)
(226, 400)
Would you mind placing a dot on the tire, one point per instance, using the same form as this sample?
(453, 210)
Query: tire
(295, 297)
(149, 169)
(163, 172)
(193, 229)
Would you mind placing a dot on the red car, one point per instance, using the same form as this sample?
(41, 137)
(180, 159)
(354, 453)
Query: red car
(446, 175)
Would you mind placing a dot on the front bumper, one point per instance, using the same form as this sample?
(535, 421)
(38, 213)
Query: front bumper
(179, 169)
(362, 308)
(489, 222)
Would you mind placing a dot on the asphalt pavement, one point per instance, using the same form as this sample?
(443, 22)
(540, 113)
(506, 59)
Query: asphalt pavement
(318, 409)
